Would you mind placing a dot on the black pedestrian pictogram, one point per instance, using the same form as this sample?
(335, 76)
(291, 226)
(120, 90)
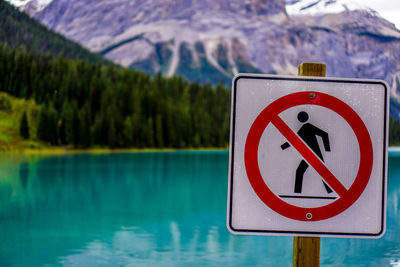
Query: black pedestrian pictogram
(309, 133)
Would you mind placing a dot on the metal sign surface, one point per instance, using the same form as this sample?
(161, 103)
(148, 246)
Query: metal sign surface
(308, 156)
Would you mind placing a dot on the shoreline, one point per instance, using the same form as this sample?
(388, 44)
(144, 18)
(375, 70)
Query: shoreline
(394, 148)
(100, 150)
(97, 150)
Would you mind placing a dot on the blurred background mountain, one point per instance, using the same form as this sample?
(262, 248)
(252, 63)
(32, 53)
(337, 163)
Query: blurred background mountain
(210, 41)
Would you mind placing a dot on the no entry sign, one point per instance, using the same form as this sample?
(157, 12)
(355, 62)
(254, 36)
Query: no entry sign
(308, 156)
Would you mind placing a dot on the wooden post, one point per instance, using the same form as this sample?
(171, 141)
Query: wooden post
(312, 69)
(306, 249)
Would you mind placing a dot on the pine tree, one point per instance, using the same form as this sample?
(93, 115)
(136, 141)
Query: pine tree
(394, 131)
(159, 131)
(84, 126)
(112, 135)
(96, 133)
(42, 124)
(47, 129)
(52, 126)
(150, 133)
(75, 126)
(24, 126)
(128, 132)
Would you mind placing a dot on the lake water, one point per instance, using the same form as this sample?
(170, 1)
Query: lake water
(147, 209)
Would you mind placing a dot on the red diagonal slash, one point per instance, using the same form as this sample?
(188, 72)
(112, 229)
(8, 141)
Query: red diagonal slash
(309, 156)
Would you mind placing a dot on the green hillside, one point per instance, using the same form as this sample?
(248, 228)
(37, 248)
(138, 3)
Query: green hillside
(18, 29)
(11, 111)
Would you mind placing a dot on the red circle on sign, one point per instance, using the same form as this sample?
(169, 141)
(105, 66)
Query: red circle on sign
(266, 117)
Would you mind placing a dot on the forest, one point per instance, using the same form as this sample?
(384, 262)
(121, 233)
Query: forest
(92, 104)
(81, 104)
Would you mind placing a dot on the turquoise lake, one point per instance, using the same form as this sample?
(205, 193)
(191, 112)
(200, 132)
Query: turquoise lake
(150, 209)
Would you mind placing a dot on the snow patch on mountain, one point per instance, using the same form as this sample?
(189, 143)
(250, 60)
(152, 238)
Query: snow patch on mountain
(18, 3)
(320, 7)
(38, 4)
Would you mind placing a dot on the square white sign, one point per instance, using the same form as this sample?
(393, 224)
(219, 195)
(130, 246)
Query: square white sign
(308, 156)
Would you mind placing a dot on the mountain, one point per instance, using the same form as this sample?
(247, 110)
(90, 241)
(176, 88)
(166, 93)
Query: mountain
(211, 40)
(151, 28)
(18, 29)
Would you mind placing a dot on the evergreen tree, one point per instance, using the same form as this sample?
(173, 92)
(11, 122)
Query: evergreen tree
(47, 129)
(150, 133)
(96, 133)
(112, 135)
(42, 124)
(52, 126)
(84, 126)
(67, 123)
(394, 131)
(137, 130)
(75, 126)
(159, 131)
(128, 132)
(24, 126)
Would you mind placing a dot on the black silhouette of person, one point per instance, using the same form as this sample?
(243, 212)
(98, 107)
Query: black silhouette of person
(308, 133)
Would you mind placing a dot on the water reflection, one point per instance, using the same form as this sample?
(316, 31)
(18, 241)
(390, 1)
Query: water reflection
(141, 209)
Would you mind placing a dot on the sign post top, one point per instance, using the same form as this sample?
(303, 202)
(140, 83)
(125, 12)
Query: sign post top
(312, 69)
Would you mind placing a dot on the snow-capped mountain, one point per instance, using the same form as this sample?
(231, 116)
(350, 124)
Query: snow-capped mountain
(211, 40)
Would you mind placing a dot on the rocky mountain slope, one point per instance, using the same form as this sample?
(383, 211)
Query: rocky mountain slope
(213, 40)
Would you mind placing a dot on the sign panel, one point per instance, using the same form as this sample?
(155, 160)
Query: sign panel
(308, 156)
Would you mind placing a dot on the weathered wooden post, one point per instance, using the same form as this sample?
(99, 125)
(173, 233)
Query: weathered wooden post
(306, 250)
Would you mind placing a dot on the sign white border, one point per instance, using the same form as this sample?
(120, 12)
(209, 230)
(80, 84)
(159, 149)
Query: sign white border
(232, 155)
